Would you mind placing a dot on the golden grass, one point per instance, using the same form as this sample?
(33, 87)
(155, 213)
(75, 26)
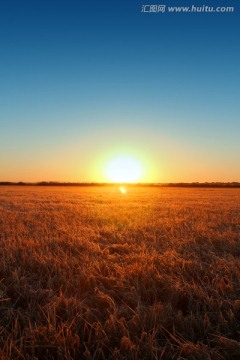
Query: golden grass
(89, 273)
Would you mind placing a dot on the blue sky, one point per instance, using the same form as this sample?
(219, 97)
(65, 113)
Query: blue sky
(80, 82)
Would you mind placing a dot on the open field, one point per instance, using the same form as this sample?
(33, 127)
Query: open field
(90, 273)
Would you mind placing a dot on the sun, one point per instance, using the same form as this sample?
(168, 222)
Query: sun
(124, 169)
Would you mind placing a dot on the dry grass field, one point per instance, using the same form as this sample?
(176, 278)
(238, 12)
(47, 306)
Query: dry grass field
(90, 273)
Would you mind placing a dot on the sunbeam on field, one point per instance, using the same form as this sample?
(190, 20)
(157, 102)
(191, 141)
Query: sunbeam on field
(122, 189)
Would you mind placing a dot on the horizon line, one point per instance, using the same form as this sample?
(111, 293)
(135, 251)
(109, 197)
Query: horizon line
(92, 183)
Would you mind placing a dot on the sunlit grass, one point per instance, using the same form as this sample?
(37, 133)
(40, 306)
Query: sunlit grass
(87, 273)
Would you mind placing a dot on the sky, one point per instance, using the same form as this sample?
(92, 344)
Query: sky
(82, 83)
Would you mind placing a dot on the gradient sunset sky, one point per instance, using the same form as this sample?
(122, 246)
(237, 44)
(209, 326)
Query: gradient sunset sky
(83, 82)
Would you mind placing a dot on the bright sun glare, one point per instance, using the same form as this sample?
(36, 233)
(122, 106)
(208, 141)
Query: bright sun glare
(124, 169)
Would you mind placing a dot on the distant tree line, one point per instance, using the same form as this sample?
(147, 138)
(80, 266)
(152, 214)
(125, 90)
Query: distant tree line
(182, 184)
